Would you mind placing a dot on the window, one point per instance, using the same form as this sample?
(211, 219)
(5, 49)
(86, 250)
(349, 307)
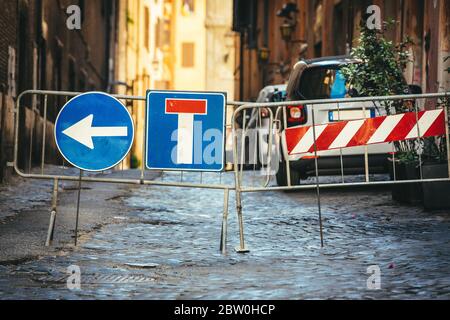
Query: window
(82, 6)
(42, 64)
(72, 75)
(322, 83)
(187, 7)
(91, 85)
(339, 39)
(158, 33)
(162, 33)
(82, 81)
(56, 104)
(187, 55)
(317, 27)
(146, 28)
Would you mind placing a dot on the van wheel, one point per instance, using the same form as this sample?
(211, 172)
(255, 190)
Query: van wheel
(281, 175)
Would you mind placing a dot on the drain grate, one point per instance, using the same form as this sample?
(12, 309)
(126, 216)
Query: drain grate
(100, 279)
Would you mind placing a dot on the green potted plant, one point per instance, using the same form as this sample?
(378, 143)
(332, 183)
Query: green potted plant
(380, 73)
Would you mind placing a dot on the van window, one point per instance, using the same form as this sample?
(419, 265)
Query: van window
(323, 83)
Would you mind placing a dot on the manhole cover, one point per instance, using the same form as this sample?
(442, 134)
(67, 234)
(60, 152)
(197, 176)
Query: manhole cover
(142, 265)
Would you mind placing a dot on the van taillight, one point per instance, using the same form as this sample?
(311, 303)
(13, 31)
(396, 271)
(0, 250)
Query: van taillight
(264, 113)
(296, 114)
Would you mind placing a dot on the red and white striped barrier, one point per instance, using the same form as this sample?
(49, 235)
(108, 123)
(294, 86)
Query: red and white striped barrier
(353, 133)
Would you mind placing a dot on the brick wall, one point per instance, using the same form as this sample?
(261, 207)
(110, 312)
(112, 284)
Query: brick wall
(8, 26)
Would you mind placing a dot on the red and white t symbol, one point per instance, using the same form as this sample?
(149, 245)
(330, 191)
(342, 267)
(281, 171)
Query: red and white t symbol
(186, 109)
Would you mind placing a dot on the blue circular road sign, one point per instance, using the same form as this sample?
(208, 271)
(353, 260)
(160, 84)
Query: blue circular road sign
(94, 131)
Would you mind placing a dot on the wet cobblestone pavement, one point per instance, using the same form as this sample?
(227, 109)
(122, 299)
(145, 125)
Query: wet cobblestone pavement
(166, 245)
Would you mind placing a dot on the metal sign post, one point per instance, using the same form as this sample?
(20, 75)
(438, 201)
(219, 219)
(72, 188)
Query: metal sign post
(94, 132)
(78, 207)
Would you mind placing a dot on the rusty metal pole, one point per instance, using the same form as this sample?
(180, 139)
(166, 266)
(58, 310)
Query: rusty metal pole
(51, 225)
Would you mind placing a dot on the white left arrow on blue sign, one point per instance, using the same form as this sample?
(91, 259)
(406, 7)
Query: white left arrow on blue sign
(83, 131)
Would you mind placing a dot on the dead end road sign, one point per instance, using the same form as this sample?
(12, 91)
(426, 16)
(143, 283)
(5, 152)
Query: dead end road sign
(185, 130)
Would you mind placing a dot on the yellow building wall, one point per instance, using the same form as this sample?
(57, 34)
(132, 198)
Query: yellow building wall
(138, 58)
(220, 51)
(139, 62)
(189, 27)
(157, 62)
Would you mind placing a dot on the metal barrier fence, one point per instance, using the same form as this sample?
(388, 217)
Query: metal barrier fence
(312, 107)
(43, 97)
(274, 126)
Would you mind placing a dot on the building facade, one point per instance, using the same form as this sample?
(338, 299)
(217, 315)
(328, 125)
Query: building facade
(123, 46)
(142, 59)
(172, 45)
(319, 28)
(39, 51)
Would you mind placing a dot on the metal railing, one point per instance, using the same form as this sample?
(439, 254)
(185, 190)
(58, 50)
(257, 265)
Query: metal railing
(275, 125)
(57, 177)
(279, 122)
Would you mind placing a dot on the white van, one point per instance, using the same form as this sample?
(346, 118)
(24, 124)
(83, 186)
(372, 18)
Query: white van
(322, 79)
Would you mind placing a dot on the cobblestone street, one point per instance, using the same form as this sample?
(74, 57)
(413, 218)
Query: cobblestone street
(221, 159)
(164, 243)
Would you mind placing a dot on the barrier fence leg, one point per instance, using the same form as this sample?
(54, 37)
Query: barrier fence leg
(223, 237)
(288, 165)
(447, 141)
(241, 248)
(366, 154)
(44, 130)
(237, 185)
(317, 179)
(51, 225)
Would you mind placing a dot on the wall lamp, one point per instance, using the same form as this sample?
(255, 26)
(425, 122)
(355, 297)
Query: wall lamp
(263, 54)
(288, 13)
